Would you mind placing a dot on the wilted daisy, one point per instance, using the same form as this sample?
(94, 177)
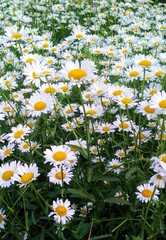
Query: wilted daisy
(59, 155)
(62, 212)
(2, 217)
(147, 192)
(7, 171)
(78, 72)
(158, 179)
(18, 133)
(39, 103)
(26, 174)
(60, 175)
(158, 101)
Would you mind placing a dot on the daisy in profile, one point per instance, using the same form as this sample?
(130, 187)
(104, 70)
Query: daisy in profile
(78, 72)
(158, 179)
(60, 175)
(158, 101)
(7, 171)
(2, 217)
(147, 192)
(26, 174)
(59, 155)
(62, 212)
(18, 133)
(6, 151)
(39, 103)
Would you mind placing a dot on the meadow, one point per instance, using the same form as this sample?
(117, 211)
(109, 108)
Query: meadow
(82, 120)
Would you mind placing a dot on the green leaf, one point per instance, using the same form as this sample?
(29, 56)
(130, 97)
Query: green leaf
(81, 150)
(131, 172)
(80, 194)
(82, 230)
(106, 178)
(116, 200)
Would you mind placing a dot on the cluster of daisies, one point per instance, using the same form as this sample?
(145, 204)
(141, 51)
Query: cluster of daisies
(98, 94)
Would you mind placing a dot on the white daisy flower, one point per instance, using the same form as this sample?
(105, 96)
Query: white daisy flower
(7, 171)
(62, 211)
(147, 192)
(39, 103)
(59, 155)
(26, 174)
(158, 179)
(158, 101)
(60, 175)
(6, 151)
(18, 133)
(2, 217)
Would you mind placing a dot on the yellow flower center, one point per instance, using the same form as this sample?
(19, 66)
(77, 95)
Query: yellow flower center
(59, 156)
(65, 88)
(149, 109)
(50, 90)
(25, 146)
(6, 176)
(99, 91)
(35, 75)
(7, 152)
(79, 35)
(152, 92)
(1, 218)
(115, 165)
(30, 60)
(145, 63)
(126, 100)
(68, 111)
(159, 177)
(45, 45)
(60, 175)
(162, 103)
(17, 35)
(117, 92)
(123, 125)
(159, 73)
(61, 211)
(141, 136)
(15, 96)
(53, 49)
(68, 127)
(134, 74)
(77, 74)
(105, 129)
(91, 112)
(121, 154)
(6, 108)
(18, 133)
(39, 106)
(84, 212)
(50, 61)
(27, 177)
(163, 158)
(147, 193)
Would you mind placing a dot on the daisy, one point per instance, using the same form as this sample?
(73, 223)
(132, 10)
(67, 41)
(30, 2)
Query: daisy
(145, 109)
(39, 103)
(68, 127)
(48, 88)
(2, 217)
(13, 34)
(133, 72)
(158, 101)
(7, 171)
(59, 155)
(6, 151)
(120, 153)
(106, 128)
(92, 110)
(147, 192)
(78, 143)
(158, 179)
(123, 125)
(144, 61)
(126, 100)
(24, 147)
(115, 165)
(18, 133)
(60, 175)
(79, 32)
(26, 174)
(62, 211)
(78, 72)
